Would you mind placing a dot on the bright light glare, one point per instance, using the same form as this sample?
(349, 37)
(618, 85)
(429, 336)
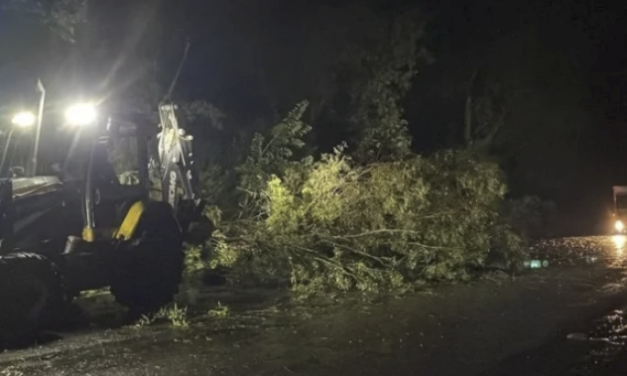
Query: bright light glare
(619, 242)
(23, 119)
(81, 114)
(619, 226)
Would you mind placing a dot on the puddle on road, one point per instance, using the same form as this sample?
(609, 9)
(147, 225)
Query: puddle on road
(488, 311)
(610, 251)
(608, 343)
(619, 242)
(607, 340)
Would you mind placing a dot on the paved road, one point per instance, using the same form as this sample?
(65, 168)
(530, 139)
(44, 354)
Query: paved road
(495, 326)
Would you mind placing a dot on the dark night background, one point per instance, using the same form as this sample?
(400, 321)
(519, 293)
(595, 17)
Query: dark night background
(564, 61)
(562, 64)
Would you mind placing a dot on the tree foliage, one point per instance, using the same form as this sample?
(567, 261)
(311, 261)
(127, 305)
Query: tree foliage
(368, 216)
(531, 216)
(60, 16)
(333, 224)
(353, 71)
(274, 154)
(485, 112)
(382, 67)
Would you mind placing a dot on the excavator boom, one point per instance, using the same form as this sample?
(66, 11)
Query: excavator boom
(173, 165)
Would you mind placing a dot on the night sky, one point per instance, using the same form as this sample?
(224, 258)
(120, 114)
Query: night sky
(564, 64)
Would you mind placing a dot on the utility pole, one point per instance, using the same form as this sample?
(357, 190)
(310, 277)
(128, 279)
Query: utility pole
(42, 98)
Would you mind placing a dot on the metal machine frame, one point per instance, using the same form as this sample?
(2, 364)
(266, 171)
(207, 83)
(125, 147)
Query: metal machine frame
(98, 232)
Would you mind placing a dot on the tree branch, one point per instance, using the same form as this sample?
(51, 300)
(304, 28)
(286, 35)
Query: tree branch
(361, 253)
(468, 116)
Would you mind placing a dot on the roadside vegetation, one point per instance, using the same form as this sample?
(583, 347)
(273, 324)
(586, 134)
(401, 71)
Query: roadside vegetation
(174, 315)
(337, 223)
(368, 212)
(315, 185)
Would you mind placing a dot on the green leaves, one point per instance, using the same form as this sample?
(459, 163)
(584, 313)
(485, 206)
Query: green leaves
(340, 226)
(274, 155)
(382, 68)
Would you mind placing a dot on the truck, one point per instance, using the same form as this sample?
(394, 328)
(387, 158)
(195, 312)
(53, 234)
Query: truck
(98, 220)
(619, 215)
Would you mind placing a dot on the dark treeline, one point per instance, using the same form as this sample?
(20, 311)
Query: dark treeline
(255, 60)
(514, 85)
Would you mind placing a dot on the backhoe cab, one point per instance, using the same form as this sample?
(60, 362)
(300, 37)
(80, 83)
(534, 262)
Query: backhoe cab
(115, 215)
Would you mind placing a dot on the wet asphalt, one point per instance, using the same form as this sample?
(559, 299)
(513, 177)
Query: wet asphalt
(563, 319)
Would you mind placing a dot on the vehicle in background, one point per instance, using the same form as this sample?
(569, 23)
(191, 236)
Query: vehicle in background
(620, 209)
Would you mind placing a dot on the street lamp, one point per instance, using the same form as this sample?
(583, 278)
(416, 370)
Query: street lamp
(24, 119)
(81, 114)
(21, 121)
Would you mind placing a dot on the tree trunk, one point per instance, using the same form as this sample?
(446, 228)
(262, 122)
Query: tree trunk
(468, 111)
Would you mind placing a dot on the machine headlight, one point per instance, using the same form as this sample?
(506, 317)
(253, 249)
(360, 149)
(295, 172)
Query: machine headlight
(24, 119)
(81, 114)
(619, 226)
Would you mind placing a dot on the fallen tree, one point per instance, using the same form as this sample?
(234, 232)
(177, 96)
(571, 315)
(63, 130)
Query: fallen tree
(332, 224)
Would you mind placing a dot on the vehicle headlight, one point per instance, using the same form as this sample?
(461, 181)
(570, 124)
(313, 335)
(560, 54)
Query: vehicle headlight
(81, 114)
(619, 226)
(24, 119)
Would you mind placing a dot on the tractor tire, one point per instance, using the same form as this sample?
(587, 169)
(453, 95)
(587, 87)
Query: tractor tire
(148, 277)
(32, 294)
